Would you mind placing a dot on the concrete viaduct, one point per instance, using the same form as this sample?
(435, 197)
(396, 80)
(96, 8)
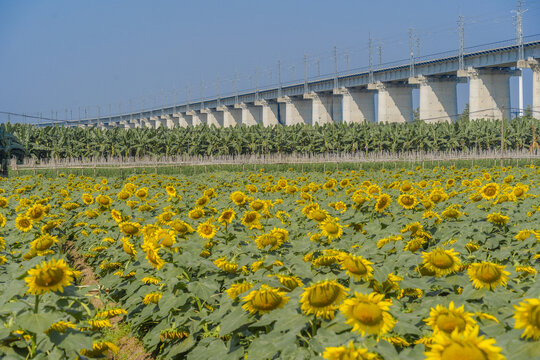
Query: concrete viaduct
(351, 98)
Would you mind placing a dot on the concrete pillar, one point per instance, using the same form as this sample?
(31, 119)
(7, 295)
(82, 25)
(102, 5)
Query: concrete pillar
(213, 117)
(534, 64)
(166, 121)
(294, 110)
(197, 118)
(438, 98)
(489, 92)
(395, 102)
(247, 114)
(268, 112)
(180, 119)
(357, 105)
(229, 117)
(325, 108)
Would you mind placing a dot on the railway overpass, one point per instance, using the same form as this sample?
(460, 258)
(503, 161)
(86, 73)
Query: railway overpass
(351, 97)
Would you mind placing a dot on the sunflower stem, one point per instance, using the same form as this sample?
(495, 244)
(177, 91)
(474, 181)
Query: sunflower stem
(36, 305)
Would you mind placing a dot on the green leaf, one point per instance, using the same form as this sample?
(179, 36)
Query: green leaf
(235, 319)
(36, 323)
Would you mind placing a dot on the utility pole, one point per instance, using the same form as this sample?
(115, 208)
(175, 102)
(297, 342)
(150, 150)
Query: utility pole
(256, 84)
(335, 68)
(187, 97)
(305, 75)
(235, 87)
(218, 92)
(279, 77)
(417, 47)
(411, 54)
(370, 45)
(521, 55)
(380, 56)
(461, 42)
(202, 94)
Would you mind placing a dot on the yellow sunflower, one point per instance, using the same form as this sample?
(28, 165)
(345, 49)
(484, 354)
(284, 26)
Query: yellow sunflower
(43, 242)
(498, 219)
(463, 345)
(383, 201)
(238, 197)
(323, 298)
(407, 201)
(236, 289)
(490, 191)
(348, 353)
(441, 262)
(128, 247)
(289, 283)
(527, 317)
(357, 267)
(449, 319)
(331, 228)
(36, 212)
(116, 215)
(87, 199)
(206, 230)
(196, 213)
(142, 193)
(104, 201)
(251, 220)
(129, 228)
(181, 227)
(264, 300)
(50, 276)
(23, 223)
(368, 313)
(487, 275)
(152, 255)
(227, 216)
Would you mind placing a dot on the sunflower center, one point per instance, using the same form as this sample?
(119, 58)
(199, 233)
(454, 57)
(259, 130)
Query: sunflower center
(50, 277)
(368, 313)
(442, 260)
(449, 322)
(331, 228)
(490, 191)
(534, 316)
(460, 352)
(407, 200)
(488, 273)
(250, 217)
(130, 229)
(322, 296)
(382, 202)
(266, 300)
(257, 205)
(227, 215)
(238, 198)
(207, 229)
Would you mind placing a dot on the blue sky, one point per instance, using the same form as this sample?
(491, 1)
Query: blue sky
(63, 54)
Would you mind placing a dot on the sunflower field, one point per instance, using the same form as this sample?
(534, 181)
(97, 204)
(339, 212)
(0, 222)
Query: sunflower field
(437, 264)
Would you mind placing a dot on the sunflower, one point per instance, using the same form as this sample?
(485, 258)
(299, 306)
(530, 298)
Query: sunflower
(43, 242)
(128, 247)
(407, 201)
(151, 280)
(104, 201)
(196, 213)
(4, 202)
(266, 240)
(289, 283)
(36, 212)
(451, 213)
(331, 228)
(123, 195)
(23, 223)
(236, 289)
(264, 300)
(498, 219)
(152, 297)
(238, 197)
(441, 262)
(202, 201)
(318, 215)
(172, 334)
(227, 216)
(206, 230)
(251, 220)
(142, 193)
(171, 191)
(357, 267)
(129, 228)
(490, 191)
(61, 326)
(383, 201)
(165, 217)
(152, 255)
(463, 345)
(348, 353)
(50, 276)
(527, 316)
(449, 319)
(87, 199)
(2, 220)
(323, 298)
(164, 238)
(487, 275)
(116, 215)
(181, 227)
(99, 349)
(258, 205)
(368, 313)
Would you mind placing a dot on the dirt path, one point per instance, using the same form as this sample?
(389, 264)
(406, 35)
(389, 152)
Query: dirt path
(130, 347)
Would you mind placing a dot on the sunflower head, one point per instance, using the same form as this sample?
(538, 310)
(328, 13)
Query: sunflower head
(441, 262)
(206, 230)
(463, 345)
(356, 267)
(227, 216)
(331, 228)
(527, 317)
(323, 298)
(383, 201)
(368, 313)
(50, 276)
(487, 275)
(449, 319)
(348, 352)
(407, 201)
(490, 191)
(264, 300)
(130, 228)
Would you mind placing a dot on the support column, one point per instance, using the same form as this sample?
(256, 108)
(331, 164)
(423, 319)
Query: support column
(180, 119)
(247, 115)
(295, 111)
(167, 121)
(228, 116)
(268, 112)
(438, 98)
(323, 109)
(489, 92)
(357, 105)
(534, 65)
(197, 118)
(213, 117)
(395, 102)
